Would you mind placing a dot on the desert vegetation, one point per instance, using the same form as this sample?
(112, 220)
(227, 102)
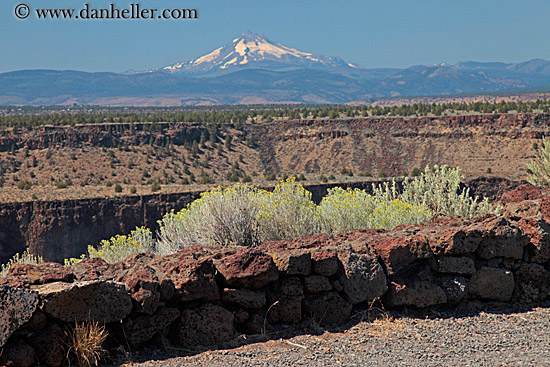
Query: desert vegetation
(24, 258)
(538, 170)
(248, 216)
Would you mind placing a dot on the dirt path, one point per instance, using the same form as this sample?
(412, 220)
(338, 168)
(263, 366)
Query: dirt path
(510, 336)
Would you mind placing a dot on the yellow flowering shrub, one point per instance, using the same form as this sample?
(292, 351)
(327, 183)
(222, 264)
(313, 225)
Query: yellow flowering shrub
(120, 247)
(288, 212)
(344, 210)
(24, 258)
(244, 215)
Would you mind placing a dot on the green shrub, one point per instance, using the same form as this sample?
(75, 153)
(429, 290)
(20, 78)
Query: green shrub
(24, 185)
(416, 172)
(118, 188)
(438, 189)
(220, 217)
(133, 190)
(271, 176)
(24, 258)
(323, 178)
(346, 171)
(155, 186)
(538, 171)
(61, 184)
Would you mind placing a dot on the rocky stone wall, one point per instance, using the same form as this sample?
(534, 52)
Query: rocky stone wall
(208, 295)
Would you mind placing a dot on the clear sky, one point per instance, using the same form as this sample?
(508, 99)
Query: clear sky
(385, 33)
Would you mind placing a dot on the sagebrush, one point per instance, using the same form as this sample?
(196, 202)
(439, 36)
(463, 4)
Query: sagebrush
(538, 170)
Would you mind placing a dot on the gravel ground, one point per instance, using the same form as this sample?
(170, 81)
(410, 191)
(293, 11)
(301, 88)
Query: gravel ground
(497, 336)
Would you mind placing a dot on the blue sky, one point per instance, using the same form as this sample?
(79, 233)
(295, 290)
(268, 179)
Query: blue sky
(391, 33)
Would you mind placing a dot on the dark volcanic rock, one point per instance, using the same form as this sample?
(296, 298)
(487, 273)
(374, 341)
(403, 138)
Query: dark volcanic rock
(492, 284)
(455, 287)
(291, 286)
(17, 353)
(249, 268)
(25, 275)
(501, 238)
(452, 236)
(143, 328)
(363, 278)
(284, 309)
(293, 262)
(194, 280)
(316, 284)
(398, 249)
(50, 344)
(417, 293)
(325, 261)
(328, 308)
(532, 283)
(456, 265)
(206, 325)
(101, 301)
(521, 193)
(16, 308)
(533, 218)
(245, 298)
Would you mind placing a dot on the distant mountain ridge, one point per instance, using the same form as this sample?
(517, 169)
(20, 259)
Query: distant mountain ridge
(253, 69)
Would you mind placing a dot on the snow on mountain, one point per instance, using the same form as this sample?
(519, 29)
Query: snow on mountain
(252, 50)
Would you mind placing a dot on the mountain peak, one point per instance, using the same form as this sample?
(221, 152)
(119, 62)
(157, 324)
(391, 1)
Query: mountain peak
(252, 37)
(253, 50)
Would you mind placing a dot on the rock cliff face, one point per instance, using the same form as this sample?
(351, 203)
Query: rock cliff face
(501, 142)
(62, 229)
(209, 295)
(102, 135)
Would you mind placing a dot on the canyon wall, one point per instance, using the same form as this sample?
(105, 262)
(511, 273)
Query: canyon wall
(502, 143)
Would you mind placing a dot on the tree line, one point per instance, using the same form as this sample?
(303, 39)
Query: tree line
(237, 116)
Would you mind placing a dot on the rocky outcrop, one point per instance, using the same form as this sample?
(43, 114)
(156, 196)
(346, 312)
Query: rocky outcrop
(208, 295)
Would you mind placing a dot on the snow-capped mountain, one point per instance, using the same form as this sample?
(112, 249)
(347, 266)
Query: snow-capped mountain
(252, 50)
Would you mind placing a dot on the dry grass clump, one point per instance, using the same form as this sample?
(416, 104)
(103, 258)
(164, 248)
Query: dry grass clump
(86, 343)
